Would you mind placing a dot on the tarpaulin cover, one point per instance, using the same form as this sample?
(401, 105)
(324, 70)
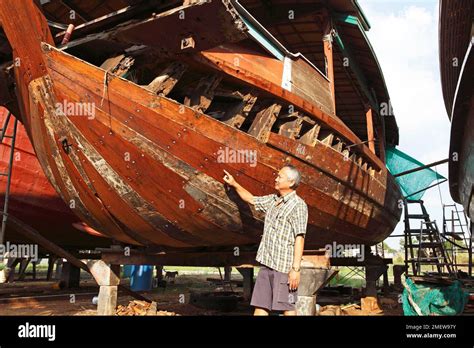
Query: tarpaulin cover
(398, 162)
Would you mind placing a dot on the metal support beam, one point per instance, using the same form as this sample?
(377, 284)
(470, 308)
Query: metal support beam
(421, 168)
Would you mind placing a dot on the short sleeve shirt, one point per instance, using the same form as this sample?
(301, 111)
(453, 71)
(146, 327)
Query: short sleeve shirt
(283, 222)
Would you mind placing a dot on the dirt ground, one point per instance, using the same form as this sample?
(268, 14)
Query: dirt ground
(44, 298)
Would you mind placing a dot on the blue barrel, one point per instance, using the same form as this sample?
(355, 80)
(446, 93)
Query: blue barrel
(127, 271)
(141, 278)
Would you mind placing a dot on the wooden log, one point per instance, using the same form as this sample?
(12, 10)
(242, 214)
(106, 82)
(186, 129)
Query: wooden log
(263, 122)
(169, 77)
(201, 97)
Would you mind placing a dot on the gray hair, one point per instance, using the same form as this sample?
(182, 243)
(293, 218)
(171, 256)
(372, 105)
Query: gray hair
(293, 174)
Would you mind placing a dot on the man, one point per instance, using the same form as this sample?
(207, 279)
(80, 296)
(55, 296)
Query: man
(282, 244)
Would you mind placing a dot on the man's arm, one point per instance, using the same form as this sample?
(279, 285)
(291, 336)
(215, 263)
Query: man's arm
(243, 193)
(294, 276)
(298, 253)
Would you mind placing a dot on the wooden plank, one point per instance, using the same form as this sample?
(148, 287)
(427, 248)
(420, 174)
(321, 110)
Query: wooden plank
(201, 97)
(263, 122)
(169, 77)
(370, 130)
(328, 54)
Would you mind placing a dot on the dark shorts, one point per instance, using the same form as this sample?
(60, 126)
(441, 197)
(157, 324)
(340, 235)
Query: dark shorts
(272, 291)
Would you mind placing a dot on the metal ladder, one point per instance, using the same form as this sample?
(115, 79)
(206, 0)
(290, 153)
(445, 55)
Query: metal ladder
(8, 172)
(426, 241)
(457, 232)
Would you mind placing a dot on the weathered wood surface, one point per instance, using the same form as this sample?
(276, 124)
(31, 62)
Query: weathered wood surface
(147, 170)
(181, 150)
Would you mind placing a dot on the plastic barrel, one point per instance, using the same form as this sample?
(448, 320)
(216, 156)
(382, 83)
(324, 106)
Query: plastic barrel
(141, 278)
(127, 271)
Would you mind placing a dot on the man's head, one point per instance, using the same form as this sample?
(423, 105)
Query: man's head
(288, 179)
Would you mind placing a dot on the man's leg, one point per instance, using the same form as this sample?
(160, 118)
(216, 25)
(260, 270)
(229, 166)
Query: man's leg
(289, 313)
(262, 293)
(260, 311)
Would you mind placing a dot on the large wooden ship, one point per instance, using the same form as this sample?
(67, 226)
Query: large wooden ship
(456, 41)
(136, 117)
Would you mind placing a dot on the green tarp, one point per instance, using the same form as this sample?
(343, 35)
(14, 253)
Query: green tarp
(398, 162)
(430, 299)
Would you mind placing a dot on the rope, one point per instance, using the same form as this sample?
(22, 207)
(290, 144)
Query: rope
(105, 87)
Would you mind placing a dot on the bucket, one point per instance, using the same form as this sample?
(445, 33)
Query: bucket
(141, 278)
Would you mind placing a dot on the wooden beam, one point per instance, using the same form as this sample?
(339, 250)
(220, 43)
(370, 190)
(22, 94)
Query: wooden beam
(328, 54)
(370, 130)
(209, 259)
(262, 125)
(169, 77)
(237, 114)
(290, 125)
(201, 97)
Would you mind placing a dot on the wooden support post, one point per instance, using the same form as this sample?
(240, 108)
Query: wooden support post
(23, 265)
(108, 278)
(34, 270)
(11, 269)
(59, 268)
(262, 125)
(70, 276)
(370, 130)
(227, 273)
(159, 274)
(247, 273)
(51, 261)
(328, 54)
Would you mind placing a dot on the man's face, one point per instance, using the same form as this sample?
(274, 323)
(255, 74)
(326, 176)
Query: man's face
(281, 181)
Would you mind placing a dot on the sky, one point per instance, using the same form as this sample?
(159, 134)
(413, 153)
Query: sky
(404, 35)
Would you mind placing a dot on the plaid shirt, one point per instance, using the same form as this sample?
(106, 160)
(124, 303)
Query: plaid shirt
(283, 223)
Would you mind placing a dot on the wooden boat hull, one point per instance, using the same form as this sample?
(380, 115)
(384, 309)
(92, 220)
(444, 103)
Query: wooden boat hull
(146, 170)
(456, 46)
(34, 200)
